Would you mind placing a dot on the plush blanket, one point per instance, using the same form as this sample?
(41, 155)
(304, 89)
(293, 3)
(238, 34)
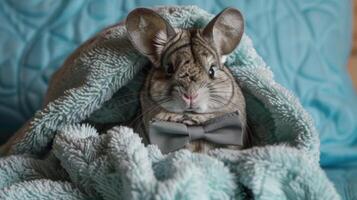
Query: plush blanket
(58, 155)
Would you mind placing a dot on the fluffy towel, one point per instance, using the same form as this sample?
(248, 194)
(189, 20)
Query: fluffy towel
(56, 156)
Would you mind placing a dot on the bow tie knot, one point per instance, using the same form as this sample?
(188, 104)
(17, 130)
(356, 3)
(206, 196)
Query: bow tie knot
(170, 136)
(196, 132)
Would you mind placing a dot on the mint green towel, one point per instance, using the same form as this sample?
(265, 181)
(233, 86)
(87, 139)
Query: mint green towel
(57, 156)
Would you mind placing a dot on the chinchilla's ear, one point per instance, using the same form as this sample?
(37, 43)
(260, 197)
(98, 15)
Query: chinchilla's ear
(148, 32)
(225, 30)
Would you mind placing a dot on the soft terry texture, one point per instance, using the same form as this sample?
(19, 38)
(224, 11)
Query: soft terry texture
(283, 165)
(117, 166)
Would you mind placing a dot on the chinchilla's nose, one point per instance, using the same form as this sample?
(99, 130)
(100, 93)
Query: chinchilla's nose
(189, 98)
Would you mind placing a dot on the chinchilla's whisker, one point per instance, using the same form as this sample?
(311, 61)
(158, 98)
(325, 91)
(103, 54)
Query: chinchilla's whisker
(202, 84)
(222, 78)
(218, 102)
(218, 83)
(152, 108)
(228, 102)
(214, 89)
(224, 104)
(219, 89)
(181, 90)
(221, 92)
(215, 96)
(164, 100)
(149, 111)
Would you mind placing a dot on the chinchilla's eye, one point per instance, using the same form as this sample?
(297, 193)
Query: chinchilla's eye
(170, 69)
(211, 71)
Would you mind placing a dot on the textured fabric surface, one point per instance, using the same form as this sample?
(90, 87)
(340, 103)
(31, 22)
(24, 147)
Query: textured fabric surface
(283, 164)
(116, 165)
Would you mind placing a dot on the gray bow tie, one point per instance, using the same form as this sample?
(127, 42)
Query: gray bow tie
(170, 136)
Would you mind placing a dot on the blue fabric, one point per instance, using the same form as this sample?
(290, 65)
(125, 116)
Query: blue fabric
(345, 181)
(306, 43)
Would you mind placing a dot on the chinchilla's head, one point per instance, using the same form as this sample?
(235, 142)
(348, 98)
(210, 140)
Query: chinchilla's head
(188, 74)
